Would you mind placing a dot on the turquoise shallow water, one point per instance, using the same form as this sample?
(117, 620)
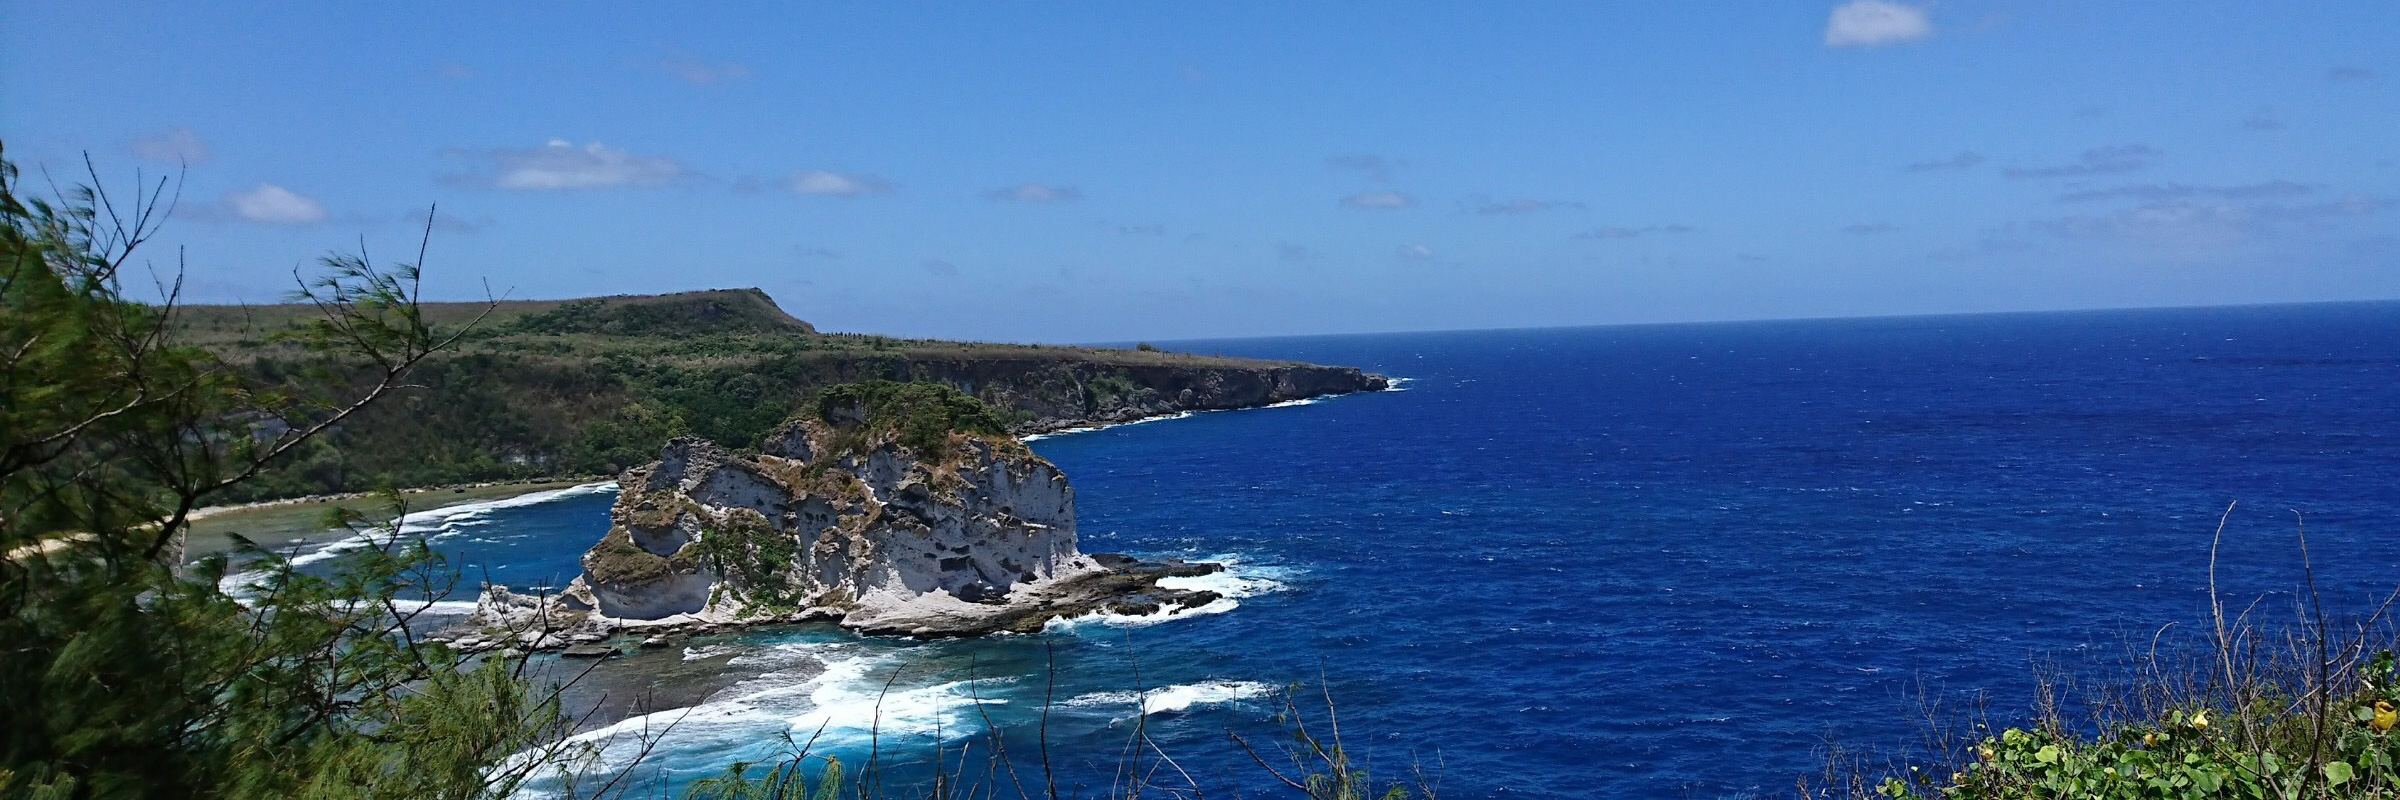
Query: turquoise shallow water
(1655, 561)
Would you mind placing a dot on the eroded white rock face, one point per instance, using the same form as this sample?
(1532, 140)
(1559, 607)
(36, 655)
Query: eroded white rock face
(875, 538)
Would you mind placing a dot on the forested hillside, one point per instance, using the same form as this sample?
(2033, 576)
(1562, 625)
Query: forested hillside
(592, 386)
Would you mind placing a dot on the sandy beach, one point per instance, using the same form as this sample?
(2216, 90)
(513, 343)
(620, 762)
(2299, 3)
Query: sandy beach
(279, 522)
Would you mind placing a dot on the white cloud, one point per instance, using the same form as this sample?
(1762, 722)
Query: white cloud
(1526, 205)
(2263, 119)
(701, 73)
(1619, 232)
(1873, 23)
(2155, 192)
(837, 184)
(1375, 167)
(1414, 252)
(274, 205)
(2096, 161)
(1966, 159)
(560, 164)
(1036, 193)
(2192, 222)
(1378, 200)
(172, 146)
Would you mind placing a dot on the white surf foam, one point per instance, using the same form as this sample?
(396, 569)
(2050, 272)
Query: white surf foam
(1394, 386)
(443, 608)
(1174, 699)
(1238, 580)
(1090, 428)
(430, 524)
(829, 691)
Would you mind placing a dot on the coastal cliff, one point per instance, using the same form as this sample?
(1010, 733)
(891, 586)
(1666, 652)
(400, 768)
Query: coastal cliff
(894, 509)
(560, 388)
(1047, 394)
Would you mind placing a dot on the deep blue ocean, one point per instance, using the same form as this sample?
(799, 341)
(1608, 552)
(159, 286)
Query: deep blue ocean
(1636, 562)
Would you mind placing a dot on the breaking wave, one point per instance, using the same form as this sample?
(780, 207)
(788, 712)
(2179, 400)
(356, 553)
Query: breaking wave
(431, 524)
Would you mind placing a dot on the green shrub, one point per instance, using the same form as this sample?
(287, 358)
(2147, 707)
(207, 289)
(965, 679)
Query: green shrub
(920, 415)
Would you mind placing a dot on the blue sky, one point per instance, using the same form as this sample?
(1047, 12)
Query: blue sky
(1115, 171)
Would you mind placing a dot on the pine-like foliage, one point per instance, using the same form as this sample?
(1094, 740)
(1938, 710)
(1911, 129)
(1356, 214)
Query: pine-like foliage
(126, 674)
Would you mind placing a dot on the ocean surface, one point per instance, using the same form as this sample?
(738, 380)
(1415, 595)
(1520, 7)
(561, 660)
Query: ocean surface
(1613, 562)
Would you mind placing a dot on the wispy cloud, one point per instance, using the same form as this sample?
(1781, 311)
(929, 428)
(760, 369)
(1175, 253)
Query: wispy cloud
(2350, 74)
(835, 184)
(1383, 201)
(940, 268)
(2263, 119)
(1375, 168)
(697, 72)
(1294, 252)
(172, 146)
(1526, 205)
(2154, 192)
(1035, 192)
(1874, 23)
(1869, 228)
(2096, 161)
(270, 204)
(561, 165)
(810, 251)
(1414, 252)
(446, 223)
(2186, 221)
(1617, 232)
(1965, 159)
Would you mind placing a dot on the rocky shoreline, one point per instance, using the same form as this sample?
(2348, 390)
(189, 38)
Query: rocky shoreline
(915, 516)
(513, 624)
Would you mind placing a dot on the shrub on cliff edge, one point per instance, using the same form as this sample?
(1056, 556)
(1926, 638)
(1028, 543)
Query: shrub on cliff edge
(919, 414)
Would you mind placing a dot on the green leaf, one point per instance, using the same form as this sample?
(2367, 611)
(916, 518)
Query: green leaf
(2337, 773)
(2047, 755)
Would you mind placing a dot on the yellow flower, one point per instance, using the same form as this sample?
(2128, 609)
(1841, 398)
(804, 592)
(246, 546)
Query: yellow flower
(2385, 715)
(2200, 719)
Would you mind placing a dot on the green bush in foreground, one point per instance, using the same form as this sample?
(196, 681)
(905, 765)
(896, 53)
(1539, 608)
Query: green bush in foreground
(122, 675)
(2301, 714)
(2184, 756)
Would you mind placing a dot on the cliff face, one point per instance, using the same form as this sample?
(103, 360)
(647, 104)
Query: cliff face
(1056, 394)
(844, 523)
(866, 535)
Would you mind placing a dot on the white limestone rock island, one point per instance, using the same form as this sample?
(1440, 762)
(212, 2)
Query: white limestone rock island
(896, 508)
